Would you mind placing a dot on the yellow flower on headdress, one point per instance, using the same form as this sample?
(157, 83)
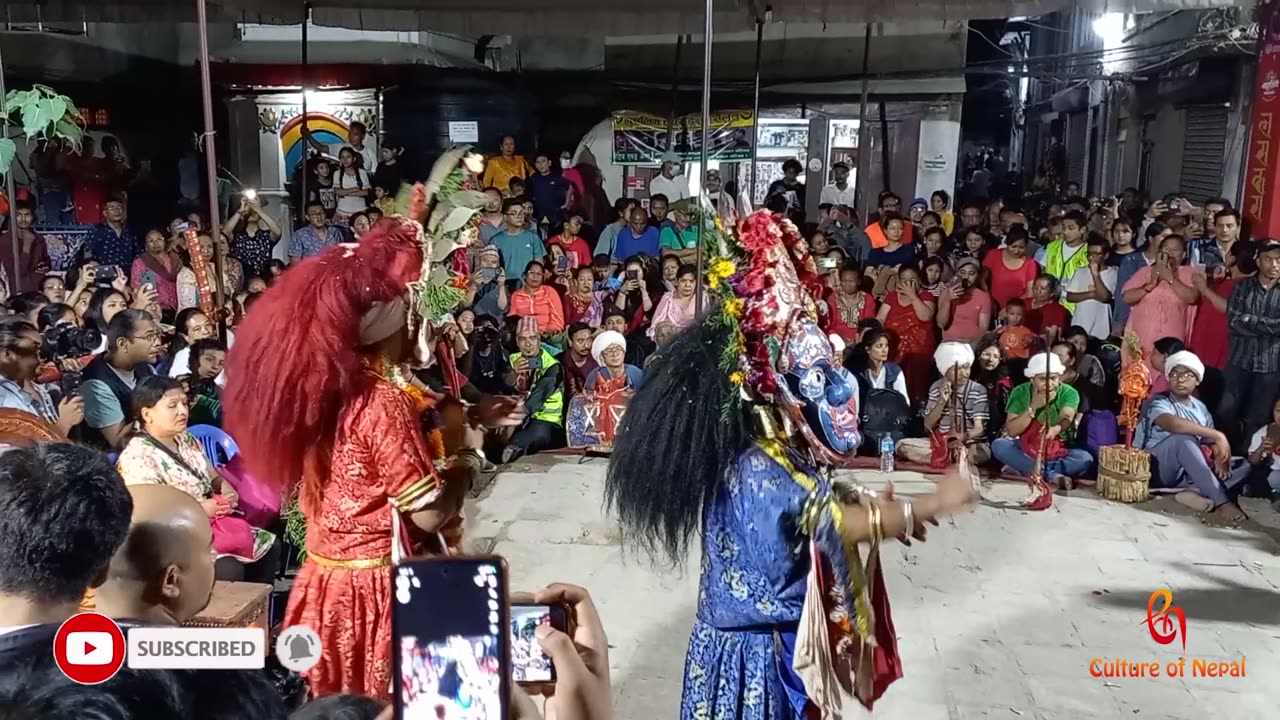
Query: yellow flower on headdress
(733, 307)
(737, 378)
(720, 270)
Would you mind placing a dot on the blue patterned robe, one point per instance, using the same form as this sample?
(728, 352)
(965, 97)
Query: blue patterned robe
(755, 561)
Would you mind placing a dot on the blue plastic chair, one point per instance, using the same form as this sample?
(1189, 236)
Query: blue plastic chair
(218, 446)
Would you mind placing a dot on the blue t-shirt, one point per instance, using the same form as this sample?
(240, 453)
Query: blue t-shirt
(547, 193)
(629, 244)
(1149, 434)
(635, 376)
(879, 257)
(518, 250)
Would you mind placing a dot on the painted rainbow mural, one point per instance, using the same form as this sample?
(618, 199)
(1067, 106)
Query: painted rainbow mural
(324, 127)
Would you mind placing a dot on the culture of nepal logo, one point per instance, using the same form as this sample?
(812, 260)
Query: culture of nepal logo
(1166, 625)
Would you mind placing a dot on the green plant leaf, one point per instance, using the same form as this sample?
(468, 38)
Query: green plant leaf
(7, 151)
(69, 131)
(457, 218)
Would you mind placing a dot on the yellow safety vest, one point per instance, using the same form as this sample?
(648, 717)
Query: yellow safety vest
(1055, 265)
(553, 409)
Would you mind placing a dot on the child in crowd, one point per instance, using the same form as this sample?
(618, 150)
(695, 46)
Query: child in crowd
(1016, 339)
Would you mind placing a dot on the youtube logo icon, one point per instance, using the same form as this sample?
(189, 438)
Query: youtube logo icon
(89, 648)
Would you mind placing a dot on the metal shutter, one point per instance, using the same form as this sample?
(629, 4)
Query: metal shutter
(1077, 147)
(1202, 150)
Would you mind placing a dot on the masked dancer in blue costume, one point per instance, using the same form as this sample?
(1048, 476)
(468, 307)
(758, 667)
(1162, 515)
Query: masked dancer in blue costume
(736, 431)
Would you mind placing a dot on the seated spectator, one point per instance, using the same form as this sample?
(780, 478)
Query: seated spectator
(191, 325)
(188, 286)
(953, 397)
(487, 288)
(991, 372)
(536, 375)
(570, 240)
(678, 308)
(519, 243)
(974, 244)
(104, 304)
(932, 273)
(848, 305)
(1045, 315)
(670, 271)
(1091, 393)
(639, 346)
(27, 305)
(1043, 405)
(583, 303)
(577, 359)
(638, 237)
(485, 365)
(1158, 357)
(1260, 474)
(680, 238)
(1186, 451)
(133, 343)
(1087, 365)
(637, 295)
(207, 359)
(896, 250)
(879, 373)
(1161, 296)
(162, 452)
(1016, 340)
(1012, 272)
(539, 301)
(609, 350)
(163, 573)
(964, 309)
(63, 514)
(19, 361)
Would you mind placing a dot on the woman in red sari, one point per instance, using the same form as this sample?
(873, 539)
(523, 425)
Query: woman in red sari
(908, 312)
(338, 413)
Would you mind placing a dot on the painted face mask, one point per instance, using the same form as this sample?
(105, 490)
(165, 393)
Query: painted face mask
(816, 383)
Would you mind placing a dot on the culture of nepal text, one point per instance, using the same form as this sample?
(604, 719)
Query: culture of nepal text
(1119, 668)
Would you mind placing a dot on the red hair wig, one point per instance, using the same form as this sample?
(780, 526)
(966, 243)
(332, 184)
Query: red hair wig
(296, 359)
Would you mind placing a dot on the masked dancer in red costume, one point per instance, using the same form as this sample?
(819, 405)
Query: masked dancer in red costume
(321, 395)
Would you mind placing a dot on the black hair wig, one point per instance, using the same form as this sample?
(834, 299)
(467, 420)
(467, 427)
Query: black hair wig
(675, 444)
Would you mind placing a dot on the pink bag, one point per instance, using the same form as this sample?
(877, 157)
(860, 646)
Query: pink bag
(260, 504)
(233, 536)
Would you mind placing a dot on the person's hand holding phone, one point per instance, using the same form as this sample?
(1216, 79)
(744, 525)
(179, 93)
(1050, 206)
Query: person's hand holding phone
(145, 297)
(521, 365)
(70, 414)
(582, 690)
(1156, 209)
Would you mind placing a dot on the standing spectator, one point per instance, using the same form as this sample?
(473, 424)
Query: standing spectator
(790, 187)
(1012, 272)
(1122, 245)
(894, 251)
(1209, 335)
(518, 244)
(1063, 256)
(501, 169)
(1252, 374)
(915, 213)
(659, 209)
(352, 186)
(681, 237)
(971, 216)
(964, 309)
(159, 268)
(33, 252)
(133, 343)
(940, 203)
(315, 236)
(548, 190)
(909, 312)
(320, 187)
(1154, 235)
(839, 192)
(253, 236)
(1161, 296)
(364, 155)
(48, 162)
(1212, 252)
(669, 181)
(111, 242)
(89, 188)
(1091, 288)
(188, 287)
(638, 237)
(725, 206)
(491, 218)
(389, 174)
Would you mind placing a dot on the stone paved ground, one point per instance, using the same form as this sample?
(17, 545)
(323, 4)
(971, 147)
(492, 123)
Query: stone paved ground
(998, 615)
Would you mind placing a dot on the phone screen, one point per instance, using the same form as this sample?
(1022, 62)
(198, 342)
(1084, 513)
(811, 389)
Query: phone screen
(534, 363)
(528, 663)
(562, 263)
(633, 274)
(452, 658)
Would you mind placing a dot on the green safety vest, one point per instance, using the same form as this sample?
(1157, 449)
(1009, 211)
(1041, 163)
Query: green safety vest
(553, 409)
(1055, 265)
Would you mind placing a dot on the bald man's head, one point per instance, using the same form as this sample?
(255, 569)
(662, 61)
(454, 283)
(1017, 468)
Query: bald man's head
(166, 562)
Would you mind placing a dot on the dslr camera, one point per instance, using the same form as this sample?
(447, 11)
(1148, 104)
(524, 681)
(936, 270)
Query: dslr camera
(64, 341)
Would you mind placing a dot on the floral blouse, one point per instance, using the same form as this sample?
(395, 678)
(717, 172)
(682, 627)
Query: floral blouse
(144, 462)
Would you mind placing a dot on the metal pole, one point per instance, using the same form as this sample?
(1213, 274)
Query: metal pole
(13, 198)
(306, 131)
(675, 95)
(210, 159)
(755, 115)
(706, 135)
(884, 147)
(862, 126)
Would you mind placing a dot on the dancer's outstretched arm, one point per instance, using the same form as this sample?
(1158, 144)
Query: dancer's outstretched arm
(953, 494)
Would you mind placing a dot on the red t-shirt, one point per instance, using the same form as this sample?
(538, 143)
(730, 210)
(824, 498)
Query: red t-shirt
(1209, 330)
(1047, 316)
(1008, 284)
(576, 249)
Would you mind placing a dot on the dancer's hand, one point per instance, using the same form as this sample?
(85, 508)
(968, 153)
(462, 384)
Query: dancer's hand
(497, 411)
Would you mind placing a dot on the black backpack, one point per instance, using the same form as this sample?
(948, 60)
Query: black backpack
(884, 413)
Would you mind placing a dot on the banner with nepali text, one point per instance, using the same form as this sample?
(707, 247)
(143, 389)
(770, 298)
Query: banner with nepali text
(642, 139)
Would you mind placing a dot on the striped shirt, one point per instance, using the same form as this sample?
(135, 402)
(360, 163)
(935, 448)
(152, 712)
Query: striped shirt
(973, 399)
(1253, 322)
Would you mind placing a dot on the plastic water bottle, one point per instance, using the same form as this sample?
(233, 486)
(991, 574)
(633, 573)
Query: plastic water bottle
(886, 454)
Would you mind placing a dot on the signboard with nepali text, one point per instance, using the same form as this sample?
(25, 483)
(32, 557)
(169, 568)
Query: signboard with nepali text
(641, 139)
(1262, 174)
